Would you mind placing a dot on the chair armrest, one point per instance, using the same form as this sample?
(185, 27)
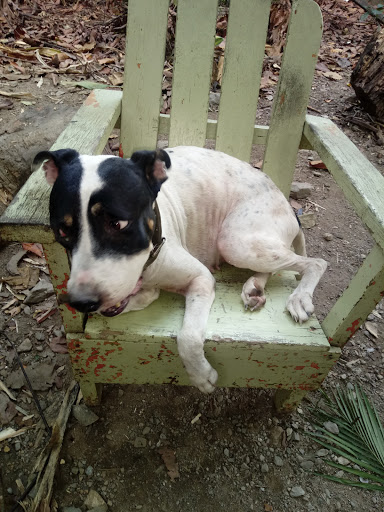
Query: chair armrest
(27, 217)
(361, 182)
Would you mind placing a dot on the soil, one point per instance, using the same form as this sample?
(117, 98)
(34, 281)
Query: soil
(238, 454)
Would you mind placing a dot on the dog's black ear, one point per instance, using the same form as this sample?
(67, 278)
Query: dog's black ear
(53, 162)
(154, 165)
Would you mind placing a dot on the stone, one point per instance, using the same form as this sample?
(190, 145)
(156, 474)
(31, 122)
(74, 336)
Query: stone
(276, 435)
(307, 465)
(328, 236)
(278, 460)
(226, 452)
(89, 471)
(25, 346)
(84, 415)
(40, 292)
(140, 442)
(297, 491)
(264, 468)
(322, 452)
(307, 220)
(300, 190)
(94, 500)
(71, 509)
(331, 427)
(214, 98)
(27, 310)
(343, 461)
(40, 336)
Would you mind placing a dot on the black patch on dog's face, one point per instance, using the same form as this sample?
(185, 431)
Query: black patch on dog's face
(125, 197)
(64, 202)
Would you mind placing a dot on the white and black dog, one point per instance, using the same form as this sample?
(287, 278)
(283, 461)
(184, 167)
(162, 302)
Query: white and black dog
(214, 208)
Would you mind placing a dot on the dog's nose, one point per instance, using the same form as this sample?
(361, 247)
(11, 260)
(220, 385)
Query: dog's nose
(85, 305)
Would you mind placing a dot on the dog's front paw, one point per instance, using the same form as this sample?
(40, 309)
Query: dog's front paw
(205, 380)
(300, 306)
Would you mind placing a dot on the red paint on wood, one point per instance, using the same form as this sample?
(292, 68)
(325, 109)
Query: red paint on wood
(110, 351)
(93, 357)
(314, 376)
(315, 365)
(354, 326)
(98, 368)
(214, 349)
(299, 367)
(64, 283)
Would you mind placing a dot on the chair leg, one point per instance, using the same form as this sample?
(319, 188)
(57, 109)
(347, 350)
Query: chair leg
(287, 400)
(91, 392)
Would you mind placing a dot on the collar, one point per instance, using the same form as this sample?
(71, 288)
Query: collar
(157, 239)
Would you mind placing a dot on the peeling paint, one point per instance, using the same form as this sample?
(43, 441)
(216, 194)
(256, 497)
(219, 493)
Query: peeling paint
(354, 327)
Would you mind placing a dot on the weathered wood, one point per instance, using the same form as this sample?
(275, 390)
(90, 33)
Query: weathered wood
(367, 78)
(59, 270)
(360, 181)
(27, 217)
(194, 45)
(143, 72)
(365, 290)
(241, 79)
(293, 90)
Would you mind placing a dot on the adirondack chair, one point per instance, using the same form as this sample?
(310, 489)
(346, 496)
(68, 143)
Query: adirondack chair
(265, 349)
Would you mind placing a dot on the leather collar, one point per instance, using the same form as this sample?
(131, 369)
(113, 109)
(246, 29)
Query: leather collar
(157, 239)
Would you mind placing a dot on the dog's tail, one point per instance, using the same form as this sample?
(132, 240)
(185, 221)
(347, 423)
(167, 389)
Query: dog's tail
(299, 244)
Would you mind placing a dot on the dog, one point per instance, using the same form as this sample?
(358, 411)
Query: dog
(135, 226)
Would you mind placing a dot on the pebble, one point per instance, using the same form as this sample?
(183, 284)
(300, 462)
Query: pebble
(297, 491)
(328, 236)
(278, 460)
(75, 470)
(140, 442)
(322, 453)
(331, 427)
(89, 471)
(317, 174)
(343, 461)
(264, 468)
(10, 490)
(27, 310)
(39, 336)
(296, 436)
(84, 415)
(95, 501)
(276, 435)
(146, 430)
(307, 465)
(40, 292)
(300, 190)
(25, 346)
(226, 452)
(17, 446)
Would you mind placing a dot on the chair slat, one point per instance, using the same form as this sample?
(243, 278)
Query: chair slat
(294, 87)
(194, 45)
(244, 53)
(143, 73)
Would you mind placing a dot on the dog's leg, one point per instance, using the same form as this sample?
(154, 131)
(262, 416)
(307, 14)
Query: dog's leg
(269, 255)
(253, 291)
(190, 341)
(142, 299)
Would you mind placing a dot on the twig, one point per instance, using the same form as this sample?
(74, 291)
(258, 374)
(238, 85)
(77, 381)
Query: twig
(315, 204)
(361, 123)
(49, 458)
(314, 109)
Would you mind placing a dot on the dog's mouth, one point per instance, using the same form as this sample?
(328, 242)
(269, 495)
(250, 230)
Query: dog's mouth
(120, 306)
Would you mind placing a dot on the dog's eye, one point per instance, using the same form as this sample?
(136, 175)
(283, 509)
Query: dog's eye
(118, 225)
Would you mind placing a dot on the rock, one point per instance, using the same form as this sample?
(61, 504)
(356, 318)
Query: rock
(317, 174)
(307, 465)
(214, 98)
(84, 415)
(331, 427)
(297, 491)
(17, 446)
(40, 336)
(146, 430)
(89, 471)
(296, 436)
(307, 220)
(276, 435)
(264, 468)
(300, 190)
(328, 236)
(93, 501)
(343, 461)
(27, 310)
(278, 460)
(226, 452)
(75, 470)
(322, 453)
(40, 292)
(25, 346)
(71, 509)
(140, 442)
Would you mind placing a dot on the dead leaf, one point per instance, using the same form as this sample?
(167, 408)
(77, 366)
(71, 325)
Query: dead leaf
(268, 508)
(7, 409)
(169, 458)
(41, 376)
(35, 248)
(17, 95)
(6, 104)
(59, 345)
(317, 164)
(295, 204)
(372, 328)
(332, 75)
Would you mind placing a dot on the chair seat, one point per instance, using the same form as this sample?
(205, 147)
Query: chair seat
(271, 349)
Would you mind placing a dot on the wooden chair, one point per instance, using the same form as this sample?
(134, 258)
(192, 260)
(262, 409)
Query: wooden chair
(264, 349)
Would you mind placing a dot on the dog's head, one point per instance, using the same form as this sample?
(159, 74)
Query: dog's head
(101, 210)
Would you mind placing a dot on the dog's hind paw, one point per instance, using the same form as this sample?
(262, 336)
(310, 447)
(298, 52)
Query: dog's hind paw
(205, 383)
(251, 300)
(300, 306)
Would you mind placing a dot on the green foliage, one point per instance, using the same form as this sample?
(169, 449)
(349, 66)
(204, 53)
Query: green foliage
(360, 438)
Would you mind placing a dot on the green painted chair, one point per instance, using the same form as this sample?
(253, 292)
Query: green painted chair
(264, 349)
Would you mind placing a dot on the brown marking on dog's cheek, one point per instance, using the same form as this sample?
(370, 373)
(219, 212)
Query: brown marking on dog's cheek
(96, 209)
(68, 220)
(150, 223)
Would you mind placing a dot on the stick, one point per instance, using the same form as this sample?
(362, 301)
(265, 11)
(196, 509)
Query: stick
(49, 457)
(370, 10)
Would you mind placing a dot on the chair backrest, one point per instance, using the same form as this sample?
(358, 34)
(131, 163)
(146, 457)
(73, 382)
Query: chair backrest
(188, 124)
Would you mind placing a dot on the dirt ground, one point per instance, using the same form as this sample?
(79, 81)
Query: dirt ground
(238, 455)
